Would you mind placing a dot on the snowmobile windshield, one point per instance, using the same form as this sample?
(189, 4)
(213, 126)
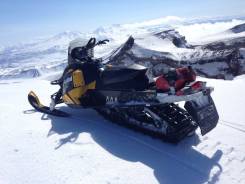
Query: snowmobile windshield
(79, 42)
(81, 51)
(78, 50)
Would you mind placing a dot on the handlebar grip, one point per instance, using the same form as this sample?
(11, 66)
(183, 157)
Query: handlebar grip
(91, 43)
(102, 42)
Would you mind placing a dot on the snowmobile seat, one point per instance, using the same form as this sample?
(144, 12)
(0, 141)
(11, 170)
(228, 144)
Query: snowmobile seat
(116, 77)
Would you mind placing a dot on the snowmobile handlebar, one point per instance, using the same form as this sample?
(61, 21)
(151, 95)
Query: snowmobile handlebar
(92, 43)
(101, 42)
(85, 53)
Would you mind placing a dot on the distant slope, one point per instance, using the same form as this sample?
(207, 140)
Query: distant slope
(238, 29)
(171, 37)
(158, 53)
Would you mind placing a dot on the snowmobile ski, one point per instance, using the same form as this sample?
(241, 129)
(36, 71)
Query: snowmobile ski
(37, 105)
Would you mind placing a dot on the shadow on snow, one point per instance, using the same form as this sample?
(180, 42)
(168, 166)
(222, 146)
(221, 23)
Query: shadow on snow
(179, 163)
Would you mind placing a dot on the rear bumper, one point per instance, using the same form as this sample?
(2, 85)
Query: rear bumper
(204, 113)
(199, 105)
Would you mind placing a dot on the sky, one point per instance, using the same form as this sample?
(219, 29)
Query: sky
(24, 20)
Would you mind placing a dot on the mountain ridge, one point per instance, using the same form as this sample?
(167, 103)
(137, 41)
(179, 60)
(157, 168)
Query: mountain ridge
(152, 40)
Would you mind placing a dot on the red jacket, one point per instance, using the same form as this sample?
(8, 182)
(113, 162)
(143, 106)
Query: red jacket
(184, 75)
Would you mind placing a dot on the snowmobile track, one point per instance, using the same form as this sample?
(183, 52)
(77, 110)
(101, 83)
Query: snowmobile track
(176, 116)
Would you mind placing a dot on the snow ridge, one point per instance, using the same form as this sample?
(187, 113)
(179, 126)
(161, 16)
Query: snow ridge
(176, 37)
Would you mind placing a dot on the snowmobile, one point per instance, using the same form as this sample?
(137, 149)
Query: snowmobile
(126, 96)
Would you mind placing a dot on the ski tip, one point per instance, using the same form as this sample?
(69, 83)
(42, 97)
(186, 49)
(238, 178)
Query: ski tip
(38, 106)
(34, 100)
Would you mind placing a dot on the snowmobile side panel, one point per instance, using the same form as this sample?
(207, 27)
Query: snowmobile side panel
(67, 99)
(204, 112)
(116, 98)
(110, 98)
(74, 87)
(37, 105)
(78, 78)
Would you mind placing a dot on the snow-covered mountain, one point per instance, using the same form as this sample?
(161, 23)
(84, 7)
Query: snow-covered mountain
(173, 36)
(40, 56)
(238, 29)
(218, 59)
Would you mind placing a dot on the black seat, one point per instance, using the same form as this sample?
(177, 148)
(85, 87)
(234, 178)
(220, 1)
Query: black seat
(131, 77)
(117, 74)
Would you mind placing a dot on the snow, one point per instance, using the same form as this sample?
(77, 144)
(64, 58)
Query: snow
(233, 92)
(213, 68)
(168, 20)
(38, 148)
(207, 32)
(85, 148)
(156, 44)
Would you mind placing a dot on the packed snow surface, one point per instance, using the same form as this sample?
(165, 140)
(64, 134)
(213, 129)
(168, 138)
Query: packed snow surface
(85, 148)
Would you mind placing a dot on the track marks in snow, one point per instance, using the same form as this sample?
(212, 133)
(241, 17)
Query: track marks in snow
(232, 125)
(215, 146)
(232, 160)
(229, 151)
(205, 146)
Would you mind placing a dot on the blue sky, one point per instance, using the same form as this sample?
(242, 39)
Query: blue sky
(23, 20)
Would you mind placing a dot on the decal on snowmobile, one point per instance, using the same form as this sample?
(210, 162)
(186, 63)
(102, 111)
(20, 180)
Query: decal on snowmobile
(78, 78)
(111, 100)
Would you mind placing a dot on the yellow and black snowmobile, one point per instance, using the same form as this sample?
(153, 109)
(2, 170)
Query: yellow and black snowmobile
(124, 95)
